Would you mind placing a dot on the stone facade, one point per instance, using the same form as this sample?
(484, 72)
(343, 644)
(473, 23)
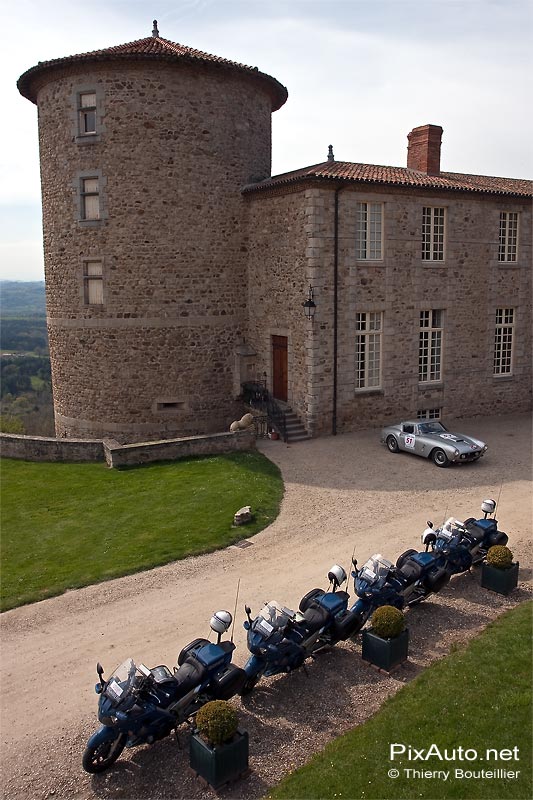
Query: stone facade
(156, 358)
(468, 286)
(176, 268)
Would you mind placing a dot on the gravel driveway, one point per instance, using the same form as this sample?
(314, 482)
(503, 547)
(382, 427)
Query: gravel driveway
(342, 493)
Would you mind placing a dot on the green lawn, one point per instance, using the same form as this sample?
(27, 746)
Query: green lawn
(71, 525)
(477, 698)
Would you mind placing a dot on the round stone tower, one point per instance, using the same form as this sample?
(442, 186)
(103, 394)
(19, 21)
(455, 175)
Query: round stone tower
(144, 149)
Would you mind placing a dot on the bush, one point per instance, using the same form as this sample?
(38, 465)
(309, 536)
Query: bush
(500, 557)
(388, 622)
(217, 722)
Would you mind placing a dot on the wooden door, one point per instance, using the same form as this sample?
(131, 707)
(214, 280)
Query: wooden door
(279, 367)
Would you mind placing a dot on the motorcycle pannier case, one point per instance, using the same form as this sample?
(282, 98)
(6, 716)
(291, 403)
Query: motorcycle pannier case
(228, 683)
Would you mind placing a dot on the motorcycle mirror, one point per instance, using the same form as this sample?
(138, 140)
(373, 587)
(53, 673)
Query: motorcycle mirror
(99, 669)
(248, 610)
(354, 562)
(429, 523)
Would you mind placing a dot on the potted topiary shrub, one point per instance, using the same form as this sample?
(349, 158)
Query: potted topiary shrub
(386, 643)
(218, 749)
(499, 573)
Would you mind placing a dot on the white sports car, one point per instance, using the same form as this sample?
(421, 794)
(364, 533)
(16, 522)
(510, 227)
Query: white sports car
(431, 439)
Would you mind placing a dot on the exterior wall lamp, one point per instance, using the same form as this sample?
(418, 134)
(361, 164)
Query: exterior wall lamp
(310, 305)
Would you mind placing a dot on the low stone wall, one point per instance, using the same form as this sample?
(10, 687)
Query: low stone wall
(123, 455)
(40, 448)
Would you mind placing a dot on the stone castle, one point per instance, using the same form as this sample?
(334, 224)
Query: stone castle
(177, 268)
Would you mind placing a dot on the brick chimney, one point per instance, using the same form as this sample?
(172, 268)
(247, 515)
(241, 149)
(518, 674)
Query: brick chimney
(423, 150)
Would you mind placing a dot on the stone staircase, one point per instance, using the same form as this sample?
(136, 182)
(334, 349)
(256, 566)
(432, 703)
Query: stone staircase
(296, 431)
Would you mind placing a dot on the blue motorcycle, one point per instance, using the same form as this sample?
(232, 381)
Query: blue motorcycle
(460, 545)
(379, 582)
(280, 640)
(138, 705)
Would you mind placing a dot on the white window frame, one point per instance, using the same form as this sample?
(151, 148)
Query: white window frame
(368, 349)
(93, 282)
(508, 237)
(86, 111)
(504, 331)
(369, 231)
(430, 345)
(433, 233)
(429, 413)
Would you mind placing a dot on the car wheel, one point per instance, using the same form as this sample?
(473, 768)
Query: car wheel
(392, 444)
(440, 458)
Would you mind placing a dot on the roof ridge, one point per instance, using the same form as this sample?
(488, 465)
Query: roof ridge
(355, 172)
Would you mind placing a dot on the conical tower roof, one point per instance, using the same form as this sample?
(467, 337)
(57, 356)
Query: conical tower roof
(153, 48)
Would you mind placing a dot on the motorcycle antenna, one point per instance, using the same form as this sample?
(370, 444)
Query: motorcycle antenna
(235, 609)
(499, 495)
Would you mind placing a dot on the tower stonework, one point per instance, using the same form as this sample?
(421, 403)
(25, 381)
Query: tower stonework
(144, 151)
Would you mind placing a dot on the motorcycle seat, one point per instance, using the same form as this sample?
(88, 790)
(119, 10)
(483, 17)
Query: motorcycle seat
(410, 571)
(190, 674)
(315, 617)
(475, 531)
(163, 676)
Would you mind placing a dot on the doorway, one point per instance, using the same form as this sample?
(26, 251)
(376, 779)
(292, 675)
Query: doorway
(279, 368)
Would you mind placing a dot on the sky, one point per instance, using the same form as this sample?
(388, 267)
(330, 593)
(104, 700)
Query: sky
(360, 75)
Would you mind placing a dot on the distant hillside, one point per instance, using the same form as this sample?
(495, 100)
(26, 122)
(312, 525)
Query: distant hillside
(22, 299)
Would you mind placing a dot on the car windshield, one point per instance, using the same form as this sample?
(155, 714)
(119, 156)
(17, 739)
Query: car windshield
(272, 617)
(431, 427)
(123, 682)
(375, 571)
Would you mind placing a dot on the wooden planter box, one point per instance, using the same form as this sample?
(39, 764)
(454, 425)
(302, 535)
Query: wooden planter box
(221, 764)
(385, 653)
(502, 581)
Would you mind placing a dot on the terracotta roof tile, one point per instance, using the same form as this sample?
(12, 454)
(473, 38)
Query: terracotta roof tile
(158, 49)
(398, 176)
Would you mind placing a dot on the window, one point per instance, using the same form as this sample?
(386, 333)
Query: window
(430, 346)
(428, 413)
(508, 236)
(93, 283)
(433, 234)
(503, 341)
(368, 350)
(369, 231)
(90, 198)
(87, 113)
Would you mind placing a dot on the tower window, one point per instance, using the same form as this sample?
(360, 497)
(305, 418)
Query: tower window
(90, 198)
(93, 283)
(87, 113)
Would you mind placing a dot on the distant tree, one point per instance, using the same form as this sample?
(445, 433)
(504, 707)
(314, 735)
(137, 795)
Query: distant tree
(11, 424)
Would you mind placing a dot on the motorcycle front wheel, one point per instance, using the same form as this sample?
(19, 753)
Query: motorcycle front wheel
(99, 758)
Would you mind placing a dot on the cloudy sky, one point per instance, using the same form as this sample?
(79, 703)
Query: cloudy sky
(360, 74)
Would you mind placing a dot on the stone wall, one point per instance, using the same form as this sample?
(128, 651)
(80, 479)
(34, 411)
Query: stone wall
(37, 448)
(467, 286)
(172, 449)
(174, 145)
(40, 448)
